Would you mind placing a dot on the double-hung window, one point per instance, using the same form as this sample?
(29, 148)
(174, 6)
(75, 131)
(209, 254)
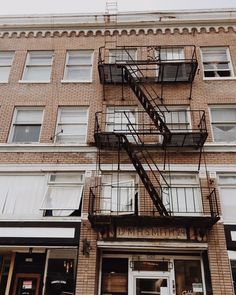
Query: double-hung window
(227, 184)
(184, 195)
(26, 125)
(38, 66)
(118, 192)
(120, 119)
(6, 59)
(177, 118)
(72, 125)
(79, 64)
(216, 62)
(223, 121)
(122, 55)
(64, 195)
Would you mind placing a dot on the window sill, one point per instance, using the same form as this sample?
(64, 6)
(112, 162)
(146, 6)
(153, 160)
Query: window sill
(220, 147)
(76, 81)
(219, 78)
(4, 82)
(45, 147)
(33, 82)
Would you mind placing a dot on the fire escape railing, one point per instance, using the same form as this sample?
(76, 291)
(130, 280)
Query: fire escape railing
(180, 201)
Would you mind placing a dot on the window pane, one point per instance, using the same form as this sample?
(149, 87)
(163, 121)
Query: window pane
(117, 55)
(26, 133)
(75, 115)
(79, 58)
(224, 132)
(4, 74)
(66, 178)
(214, 54)
(227, 179)
(37, 73)
(228, 203)
(6, 58)
(223, 115)
(26, 116)
(40, 58)
(78, 73)
(62, 198)
(188, 276)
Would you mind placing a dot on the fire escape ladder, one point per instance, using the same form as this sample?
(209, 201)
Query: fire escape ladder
(136, 156)
(147, 101)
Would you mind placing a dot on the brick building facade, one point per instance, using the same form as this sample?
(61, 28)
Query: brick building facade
(118, 153)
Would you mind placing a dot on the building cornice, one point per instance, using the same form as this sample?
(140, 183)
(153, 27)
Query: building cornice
(185, 21)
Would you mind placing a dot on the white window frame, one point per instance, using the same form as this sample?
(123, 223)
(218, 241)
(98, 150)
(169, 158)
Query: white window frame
(63, 184)
(222, 123)
(185, 185)
(114, 109)
(57, 131)
(14, 120)
(27, 65)
(89, 65)
(11, 54)
(225, 186)
(180, 108)
(118, 185)
(229, 61)
(113, 58)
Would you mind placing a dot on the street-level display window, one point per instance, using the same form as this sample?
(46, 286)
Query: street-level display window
(26, 125)
(61, 272)
(223, 122)
(64, 194)
(38, 66)
(216, 62)
(114, 276)
(227, 185)
(188, 277)
(79, 64)
(6, 58)
(72, 125)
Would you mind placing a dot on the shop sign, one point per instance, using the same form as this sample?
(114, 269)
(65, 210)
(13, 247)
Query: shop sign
(151, 233)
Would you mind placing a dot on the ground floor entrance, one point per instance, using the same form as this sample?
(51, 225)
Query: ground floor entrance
(152, 274)
(38, 271)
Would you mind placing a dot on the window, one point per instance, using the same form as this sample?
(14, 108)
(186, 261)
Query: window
(177, 118)
(78, 66)
(224, 123)
(26, 125)
(216, 62)
(6, 59)
(119, 119)
(184, 195)
(21, 195)
(172, 54)
(122, 55)
(38, 66)
(64, 195)
(72, 125)
(227, 185)
(118, 191)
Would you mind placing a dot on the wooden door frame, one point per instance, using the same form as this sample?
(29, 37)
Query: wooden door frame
(27, 275)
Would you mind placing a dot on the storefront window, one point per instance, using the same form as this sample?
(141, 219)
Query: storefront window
(115, 276)
(188, 277)
(4, 270)
(61, 272)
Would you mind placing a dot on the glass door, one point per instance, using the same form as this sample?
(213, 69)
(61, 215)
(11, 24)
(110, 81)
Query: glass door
(152, 286)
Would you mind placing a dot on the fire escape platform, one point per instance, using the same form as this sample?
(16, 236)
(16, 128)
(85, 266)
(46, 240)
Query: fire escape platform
(201, 221)
(168, 72)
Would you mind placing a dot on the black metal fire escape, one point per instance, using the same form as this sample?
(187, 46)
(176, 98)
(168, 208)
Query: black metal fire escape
(135, 74)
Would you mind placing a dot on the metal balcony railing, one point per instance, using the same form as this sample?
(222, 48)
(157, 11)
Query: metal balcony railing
(148, 63)
(185, 204)
(187, 128)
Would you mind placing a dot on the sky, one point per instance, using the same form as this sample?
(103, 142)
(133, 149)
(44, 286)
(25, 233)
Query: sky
(12, 7)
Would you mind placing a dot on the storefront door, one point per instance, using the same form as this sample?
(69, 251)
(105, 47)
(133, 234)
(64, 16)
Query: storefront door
(152, 286)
